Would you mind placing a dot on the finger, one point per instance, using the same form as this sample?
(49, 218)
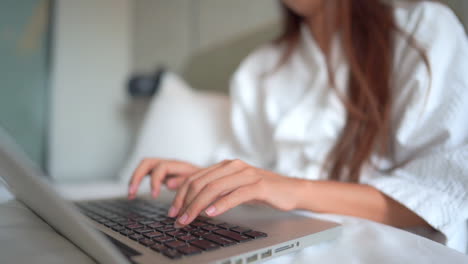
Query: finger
(216, 189)
(237, 197)
(164, 170)
(157, 176)
(175, 182)
(240, 195)
(141, 171)
(198, 184)
(179, 198)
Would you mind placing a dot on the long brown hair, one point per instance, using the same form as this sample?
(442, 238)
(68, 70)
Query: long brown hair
(367, 29)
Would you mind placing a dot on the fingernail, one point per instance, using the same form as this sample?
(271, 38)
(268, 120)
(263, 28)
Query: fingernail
(173, 211)
(183, 219)
(154, 193)
(210, 210)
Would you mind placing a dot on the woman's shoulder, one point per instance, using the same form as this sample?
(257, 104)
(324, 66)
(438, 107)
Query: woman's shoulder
(260, 60)
(439, 88)
(437, 32)
(254, 67)
(423, 18)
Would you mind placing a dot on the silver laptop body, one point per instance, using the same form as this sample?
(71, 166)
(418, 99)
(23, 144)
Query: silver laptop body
(286, 232)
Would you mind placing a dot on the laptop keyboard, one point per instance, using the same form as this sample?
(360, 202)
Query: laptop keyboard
(147, 223)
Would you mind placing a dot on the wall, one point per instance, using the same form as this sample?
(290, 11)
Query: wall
(203, 40)
(461, 9)
(90, 135)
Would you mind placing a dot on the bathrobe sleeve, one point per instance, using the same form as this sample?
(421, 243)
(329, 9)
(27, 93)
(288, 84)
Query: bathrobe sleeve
(430, 121)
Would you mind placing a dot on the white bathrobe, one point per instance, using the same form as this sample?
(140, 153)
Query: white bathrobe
(287, 121)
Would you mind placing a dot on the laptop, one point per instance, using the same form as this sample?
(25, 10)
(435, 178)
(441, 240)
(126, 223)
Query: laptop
(139, 231)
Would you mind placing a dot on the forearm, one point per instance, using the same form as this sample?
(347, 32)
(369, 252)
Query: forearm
(355, 200)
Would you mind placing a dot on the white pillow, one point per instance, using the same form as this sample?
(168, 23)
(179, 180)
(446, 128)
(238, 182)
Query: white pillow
(181, 124)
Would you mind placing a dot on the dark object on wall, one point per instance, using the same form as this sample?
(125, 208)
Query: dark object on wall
(145, 85)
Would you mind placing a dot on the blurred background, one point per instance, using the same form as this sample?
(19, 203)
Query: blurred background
(65, 65)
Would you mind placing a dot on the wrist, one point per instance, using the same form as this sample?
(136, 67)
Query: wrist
(304, 195)
(298, 193)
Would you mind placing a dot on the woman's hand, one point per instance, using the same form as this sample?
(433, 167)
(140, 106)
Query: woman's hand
(218, 188)
(172, 172)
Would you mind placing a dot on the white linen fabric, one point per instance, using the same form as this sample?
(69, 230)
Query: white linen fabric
(287, 119)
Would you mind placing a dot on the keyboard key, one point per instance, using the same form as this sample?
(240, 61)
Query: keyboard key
(156, 225)
(210, 228)
(255, 234)
(134, 226)
(146, 242)
(147, 222)
(109, 216)
(171, 253)
(227, 226)
(176, 233)
(118, 219)
(126, 232)
(136, 237)
(198, 224)
(117, 228)
(187, 237)
(220, 240)
(214, 222)
(189, 250)
(204, 244)
(153, 234)
(232, 235)
(175, 244)
(158, 247)
(200, 233)
(110, 224)
(157, 217)
(169, 221)
(143, 230)
(202, 218)
(146, 215)
(165, 229)
(132, 216)
(138, 219)
(127, 222)
(163, 239)
(241, 230)
(189, 229)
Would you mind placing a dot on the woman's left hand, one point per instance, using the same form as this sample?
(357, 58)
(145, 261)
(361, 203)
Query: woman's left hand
(225, 185)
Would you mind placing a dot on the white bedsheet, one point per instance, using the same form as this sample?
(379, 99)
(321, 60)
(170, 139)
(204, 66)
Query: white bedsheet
(361, 242)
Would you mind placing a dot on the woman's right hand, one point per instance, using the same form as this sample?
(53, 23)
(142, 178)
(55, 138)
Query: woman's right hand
(159, 170)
